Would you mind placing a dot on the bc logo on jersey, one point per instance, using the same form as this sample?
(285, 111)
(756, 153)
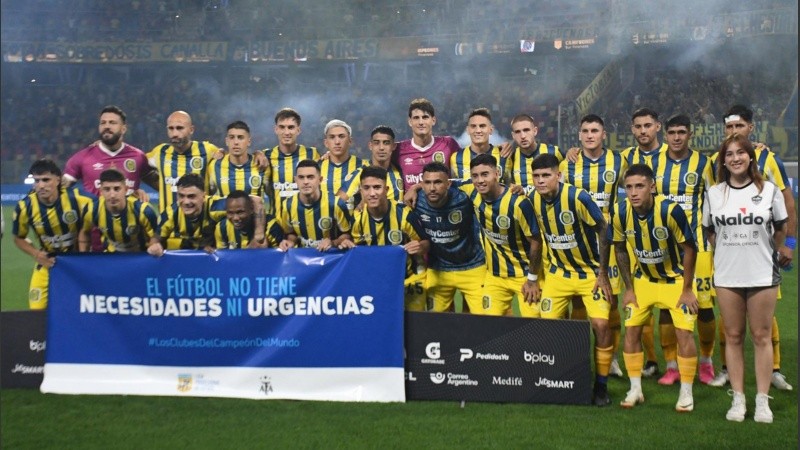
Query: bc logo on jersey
(609, 176)
(690, 179)
(566, 218)
(454, 217)
(325, 223)
(660, 233)
(70, 217)
(130, 165)
(196, 163)
(503, 222)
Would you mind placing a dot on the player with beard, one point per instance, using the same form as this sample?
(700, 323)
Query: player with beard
(524, 131)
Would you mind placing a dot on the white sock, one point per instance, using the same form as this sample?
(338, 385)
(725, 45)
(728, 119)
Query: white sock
(672, 364)
(636, 383)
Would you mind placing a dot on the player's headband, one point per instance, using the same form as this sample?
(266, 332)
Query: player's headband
(733, 118)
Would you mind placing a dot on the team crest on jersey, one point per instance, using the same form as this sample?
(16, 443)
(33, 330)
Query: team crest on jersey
(196, 163)
(628, 312)
(660, 233)
(439, 157)
(487, 302)
(756, 199)
(131, 230)
(395, 237)
(503, 222)
(690, 179)
(34, 295)
(566, 217)
(398, 184)
(325, 223)
(547, 305)
(609, 176)
(130, 165)
(255, 181)
(454, 217)
(69, 217)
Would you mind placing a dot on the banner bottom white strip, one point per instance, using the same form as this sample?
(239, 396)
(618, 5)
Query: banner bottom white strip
(328, 384)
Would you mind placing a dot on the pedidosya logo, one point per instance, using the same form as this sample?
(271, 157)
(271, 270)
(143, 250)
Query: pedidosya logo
(538, 358)
(433, 352)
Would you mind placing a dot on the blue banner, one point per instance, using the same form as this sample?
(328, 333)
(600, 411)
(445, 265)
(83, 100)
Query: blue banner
(233, 309)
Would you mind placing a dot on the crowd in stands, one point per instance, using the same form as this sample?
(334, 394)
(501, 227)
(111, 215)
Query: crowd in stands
(250, 20)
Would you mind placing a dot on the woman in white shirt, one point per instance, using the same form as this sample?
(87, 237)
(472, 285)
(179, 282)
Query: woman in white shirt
(745, 217)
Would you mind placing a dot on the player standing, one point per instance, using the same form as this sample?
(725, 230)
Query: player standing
(340, 162)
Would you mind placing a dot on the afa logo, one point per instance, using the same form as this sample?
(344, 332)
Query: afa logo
(438, 157)
(255, 181)
(325, 223)
(130, 165)
(184, 382)
(503, 222)
(395, 237)
(70, 217)
(266, 385)
(660, 233)
(196, 163)
(454, 217)
(131, 230)
(609, 176)
(690, 179)
(547, 305)
(566, 217)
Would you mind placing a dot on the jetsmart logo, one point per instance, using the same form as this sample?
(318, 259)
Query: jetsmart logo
(739, 219)
(539, 358)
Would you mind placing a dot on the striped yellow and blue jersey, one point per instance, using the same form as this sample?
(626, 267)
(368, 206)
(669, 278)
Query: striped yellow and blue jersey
(333, 175)
(181, 232)
(460, 160)
(172, 165)
(128, 231)
(655, 237)
(57, 225)
(283, 168)
(227, 236)
(520, 164)
(685, 182)
(770, 165)
(328, 217)
(567, 223)
(399, 226)
(226, 177)
(600, 178)
(635, 155)
(394, 183)
(508, 223)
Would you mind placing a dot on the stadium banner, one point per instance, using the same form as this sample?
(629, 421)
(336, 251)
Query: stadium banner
(497, 359)
(22, 346)
(258, 324)
(115, 52)
(599, 85)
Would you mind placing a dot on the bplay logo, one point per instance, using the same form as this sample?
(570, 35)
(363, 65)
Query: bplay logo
(466, 354)
(539, 358)
(37, 346)
(437, 378)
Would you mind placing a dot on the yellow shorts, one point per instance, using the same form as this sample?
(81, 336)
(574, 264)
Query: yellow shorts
(613, 273)
(559, 290)
(658, 294)
(703, 279)
(415, 292)
(442, 286)
(38, 290)
(498, 293)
